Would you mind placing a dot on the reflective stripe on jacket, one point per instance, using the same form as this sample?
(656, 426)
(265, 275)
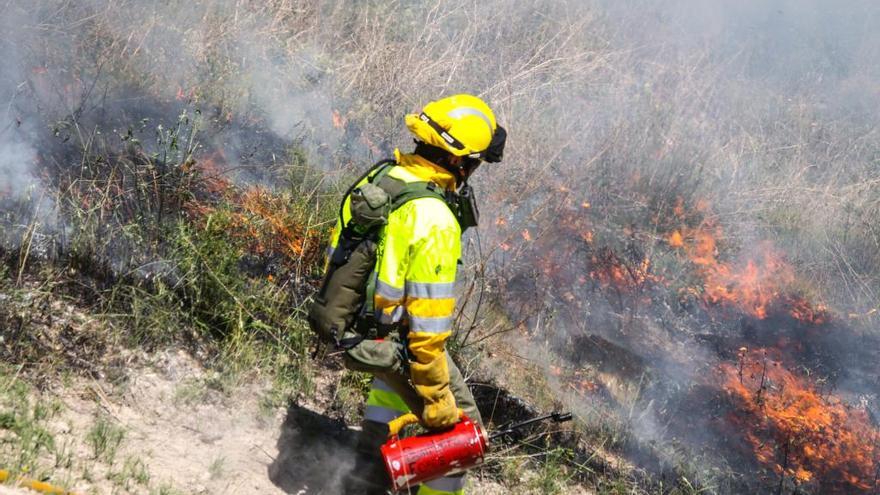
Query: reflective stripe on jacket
(418, 255)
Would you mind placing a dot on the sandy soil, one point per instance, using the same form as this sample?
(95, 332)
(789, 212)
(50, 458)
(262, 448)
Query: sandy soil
(200, 441)
(184, 436)
(211, 443)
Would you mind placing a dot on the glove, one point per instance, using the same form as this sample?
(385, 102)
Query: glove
(431, 382)
(440, 413)
(400, 422)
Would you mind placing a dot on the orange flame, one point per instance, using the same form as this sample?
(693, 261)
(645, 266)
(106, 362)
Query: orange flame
(211, 174)
(259, 202)
(678, 209)
(578, 380)
(796, 431)
(338, 119)
(260, 219)
(753, 286)
(611, 271)
(803, 311)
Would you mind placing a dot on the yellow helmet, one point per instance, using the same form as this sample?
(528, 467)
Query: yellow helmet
(461, 124)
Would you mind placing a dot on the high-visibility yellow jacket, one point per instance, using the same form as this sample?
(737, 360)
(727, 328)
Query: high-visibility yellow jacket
(418, 253)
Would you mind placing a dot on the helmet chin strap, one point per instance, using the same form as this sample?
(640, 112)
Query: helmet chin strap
(441, 158)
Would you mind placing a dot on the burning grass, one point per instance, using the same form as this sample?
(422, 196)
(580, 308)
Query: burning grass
(757, 284)
(798, 431)
(270, 227)
(670, 286)
(610, 271)
(169, 244)
(173, 252)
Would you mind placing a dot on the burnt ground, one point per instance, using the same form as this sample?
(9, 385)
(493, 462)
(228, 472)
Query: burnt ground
(695, 412)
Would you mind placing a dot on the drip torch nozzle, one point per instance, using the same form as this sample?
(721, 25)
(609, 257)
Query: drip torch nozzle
(559, 417)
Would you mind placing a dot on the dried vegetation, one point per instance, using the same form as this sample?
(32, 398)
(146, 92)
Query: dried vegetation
(666, 201)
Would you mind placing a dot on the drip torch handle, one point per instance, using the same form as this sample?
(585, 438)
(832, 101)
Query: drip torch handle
(401, 422)
(397, 424)
(556, 417)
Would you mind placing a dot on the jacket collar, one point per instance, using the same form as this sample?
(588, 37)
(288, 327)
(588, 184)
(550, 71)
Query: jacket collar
(425, 169)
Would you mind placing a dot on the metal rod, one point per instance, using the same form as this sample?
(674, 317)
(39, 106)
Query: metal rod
(557, 417)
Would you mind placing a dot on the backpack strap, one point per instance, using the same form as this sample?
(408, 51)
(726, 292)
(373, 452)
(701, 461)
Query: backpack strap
(403, 192)
(400, 192)
(416, 190)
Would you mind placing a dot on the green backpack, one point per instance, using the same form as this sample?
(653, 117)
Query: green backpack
(342, 297)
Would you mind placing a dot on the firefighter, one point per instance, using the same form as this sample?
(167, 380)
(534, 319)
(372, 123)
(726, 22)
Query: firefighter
(411, 299)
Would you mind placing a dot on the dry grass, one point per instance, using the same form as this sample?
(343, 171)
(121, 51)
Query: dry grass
(614, 119)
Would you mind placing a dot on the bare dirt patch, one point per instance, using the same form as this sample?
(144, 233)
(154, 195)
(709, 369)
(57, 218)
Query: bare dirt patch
(178, 434)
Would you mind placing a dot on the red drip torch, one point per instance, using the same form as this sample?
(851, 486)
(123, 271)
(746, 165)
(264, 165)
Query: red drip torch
(414, 460)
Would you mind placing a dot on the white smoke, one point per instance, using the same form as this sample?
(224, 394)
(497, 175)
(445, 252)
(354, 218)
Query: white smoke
(17, 152)
(17, 158)
(26, 207)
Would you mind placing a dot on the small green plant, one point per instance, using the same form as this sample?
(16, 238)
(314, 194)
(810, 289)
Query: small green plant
(24, 418)
(86, 472)
(351, 394)
(216, 469)
(191, 391)
(133, 470)
(64, 454)
(511, 472)
(165, 489)
(553, 473)
(104, 438)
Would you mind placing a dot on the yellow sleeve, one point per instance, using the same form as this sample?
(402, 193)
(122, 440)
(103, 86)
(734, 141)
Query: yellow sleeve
(418, 258)
(430, 290)
(416, 281)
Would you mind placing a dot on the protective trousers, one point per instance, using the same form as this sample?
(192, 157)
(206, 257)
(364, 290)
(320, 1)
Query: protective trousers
(391, 396)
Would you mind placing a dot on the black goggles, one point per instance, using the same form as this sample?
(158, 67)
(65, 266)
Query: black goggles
(493, 154)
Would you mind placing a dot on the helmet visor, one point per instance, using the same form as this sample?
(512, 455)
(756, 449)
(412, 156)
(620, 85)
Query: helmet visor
(495, 152)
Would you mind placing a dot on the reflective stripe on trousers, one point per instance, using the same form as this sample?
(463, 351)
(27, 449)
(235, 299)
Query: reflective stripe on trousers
(383, 405)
